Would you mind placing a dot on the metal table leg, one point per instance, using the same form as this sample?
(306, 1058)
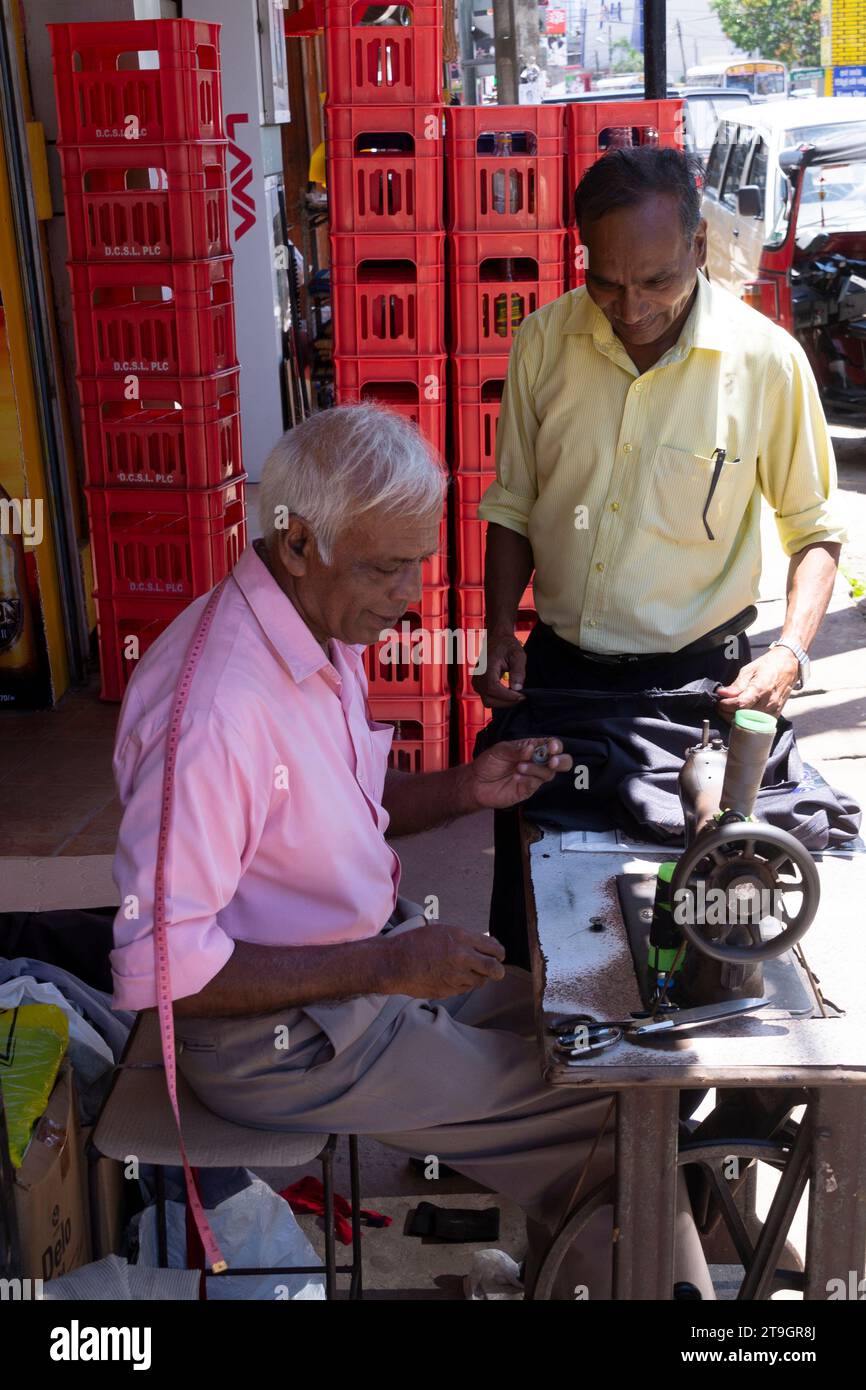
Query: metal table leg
(647, 1125)
(836, 1233)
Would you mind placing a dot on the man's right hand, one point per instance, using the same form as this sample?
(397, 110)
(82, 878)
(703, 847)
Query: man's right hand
(437, 961)
(505, 655)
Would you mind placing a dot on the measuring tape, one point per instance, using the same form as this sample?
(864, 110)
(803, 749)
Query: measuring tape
(160, 918)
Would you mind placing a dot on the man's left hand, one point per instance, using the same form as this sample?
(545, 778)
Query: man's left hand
(505, 774)
(764, 684)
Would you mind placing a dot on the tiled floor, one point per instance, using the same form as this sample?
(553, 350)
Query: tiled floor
(56, 785)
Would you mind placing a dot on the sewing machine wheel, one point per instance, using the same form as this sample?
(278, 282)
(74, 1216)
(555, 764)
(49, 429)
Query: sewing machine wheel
(745, 860)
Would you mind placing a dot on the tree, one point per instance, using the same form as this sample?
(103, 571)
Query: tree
(624, 58)
(787, 30)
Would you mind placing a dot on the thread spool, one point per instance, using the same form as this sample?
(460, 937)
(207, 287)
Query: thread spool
(752, 735)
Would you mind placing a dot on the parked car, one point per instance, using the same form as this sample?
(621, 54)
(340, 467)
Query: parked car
(703, 111)
(785, 204)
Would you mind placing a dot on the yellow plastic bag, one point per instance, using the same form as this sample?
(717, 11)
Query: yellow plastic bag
(33, 1039)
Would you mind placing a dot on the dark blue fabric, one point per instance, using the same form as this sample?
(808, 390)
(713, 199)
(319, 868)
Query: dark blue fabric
(632, 744)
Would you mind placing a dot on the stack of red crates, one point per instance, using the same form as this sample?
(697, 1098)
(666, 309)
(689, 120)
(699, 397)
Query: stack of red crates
(385, 194)
(505, 167)
(144, 178)
(594, 128)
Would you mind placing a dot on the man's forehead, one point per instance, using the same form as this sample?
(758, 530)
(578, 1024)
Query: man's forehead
(391, 535)
(653, 222)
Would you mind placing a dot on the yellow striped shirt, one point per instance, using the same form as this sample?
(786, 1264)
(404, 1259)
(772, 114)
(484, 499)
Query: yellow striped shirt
(607, 470)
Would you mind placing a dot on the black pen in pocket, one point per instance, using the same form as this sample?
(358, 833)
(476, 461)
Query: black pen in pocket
(719, 456)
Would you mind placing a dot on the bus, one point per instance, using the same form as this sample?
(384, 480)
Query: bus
(758, 78)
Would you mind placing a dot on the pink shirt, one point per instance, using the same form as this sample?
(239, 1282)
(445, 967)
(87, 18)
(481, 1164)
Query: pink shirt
(278, 832)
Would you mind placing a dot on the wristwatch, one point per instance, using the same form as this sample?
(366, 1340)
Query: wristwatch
(801, 655)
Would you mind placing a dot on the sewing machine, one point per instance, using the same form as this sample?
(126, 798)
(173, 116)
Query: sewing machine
(724, 919)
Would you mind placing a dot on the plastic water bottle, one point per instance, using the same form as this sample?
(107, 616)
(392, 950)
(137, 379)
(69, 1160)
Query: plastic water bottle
(505, 185)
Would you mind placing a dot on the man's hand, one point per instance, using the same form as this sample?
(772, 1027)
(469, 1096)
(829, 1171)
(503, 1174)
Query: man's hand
(437, 962)
(505, 774)
(505, 655)
(764, 684)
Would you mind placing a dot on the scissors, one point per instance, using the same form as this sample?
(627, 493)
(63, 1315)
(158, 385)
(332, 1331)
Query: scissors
(580, 1035)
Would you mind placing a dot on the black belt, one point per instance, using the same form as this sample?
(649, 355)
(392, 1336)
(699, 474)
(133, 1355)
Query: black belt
(710, 642)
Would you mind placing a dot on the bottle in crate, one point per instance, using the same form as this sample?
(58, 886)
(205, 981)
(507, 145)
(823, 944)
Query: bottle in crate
(497, 279)
(594, 129)
(374, 56)
(505, 168)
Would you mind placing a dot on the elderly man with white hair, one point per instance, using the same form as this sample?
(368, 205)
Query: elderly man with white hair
(281, 883)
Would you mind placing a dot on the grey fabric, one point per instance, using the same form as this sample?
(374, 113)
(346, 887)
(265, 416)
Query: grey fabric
(91, 1003)
(456, 1078)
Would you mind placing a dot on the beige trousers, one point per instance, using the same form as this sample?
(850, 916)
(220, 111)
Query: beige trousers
(457, 1078)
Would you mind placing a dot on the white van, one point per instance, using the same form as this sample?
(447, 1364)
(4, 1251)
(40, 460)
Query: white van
(746, 195)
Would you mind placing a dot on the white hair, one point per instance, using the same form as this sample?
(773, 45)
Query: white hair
(339, 463)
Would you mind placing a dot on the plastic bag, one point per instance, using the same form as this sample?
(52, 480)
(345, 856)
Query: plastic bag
(493, 1274)
(33, 1041)
(253, 1227)
(91, 1057)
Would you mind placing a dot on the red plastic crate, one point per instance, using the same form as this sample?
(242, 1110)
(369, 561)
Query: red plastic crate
(122, 619)
(576, 262)
(421, 731)
(519, 189)
(471, 536)
(469, 614)
(472, 717)
(388, 294)
(486, 307)
(413, 662)
(175, 433)
(175, 97)
(374, 63)
(470, 619)
(150, 541)
(385, 168)
(410, 386)
(122, 204)
(478, 387)
(595, 128)
(470, 531)
(124, 324)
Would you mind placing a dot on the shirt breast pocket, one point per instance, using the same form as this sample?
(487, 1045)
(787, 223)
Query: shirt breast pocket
(683, 494)
(381, 738)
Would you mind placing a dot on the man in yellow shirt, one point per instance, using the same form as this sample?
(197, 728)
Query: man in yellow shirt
(643, 419)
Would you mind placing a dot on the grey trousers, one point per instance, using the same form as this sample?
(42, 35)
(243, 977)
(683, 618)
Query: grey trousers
(457, 1078)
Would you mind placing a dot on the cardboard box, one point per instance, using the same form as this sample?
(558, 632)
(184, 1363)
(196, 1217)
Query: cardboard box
(107, 1230)
(50, 1194)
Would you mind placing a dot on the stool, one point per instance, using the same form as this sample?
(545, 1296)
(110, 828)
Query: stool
(137, 1118)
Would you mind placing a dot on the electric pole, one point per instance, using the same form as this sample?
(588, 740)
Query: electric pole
(682, 49)
(518, 45)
